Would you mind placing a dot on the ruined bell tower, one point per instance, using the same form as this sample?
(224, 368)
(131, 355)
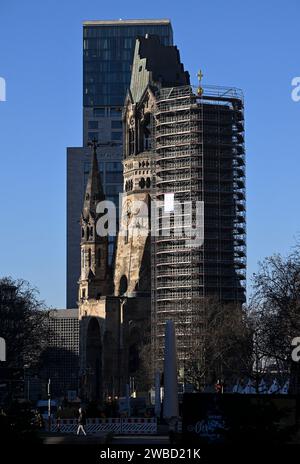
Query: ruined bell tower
(154, 66)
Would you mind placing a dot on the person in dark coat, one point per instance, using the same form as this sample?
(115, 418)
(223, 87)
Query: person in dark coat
(81, 422)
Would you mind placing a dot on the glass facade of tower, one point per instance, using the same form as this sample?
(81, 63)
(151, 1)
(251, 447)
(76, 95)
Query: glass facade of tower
(108, 48)
(107, 58)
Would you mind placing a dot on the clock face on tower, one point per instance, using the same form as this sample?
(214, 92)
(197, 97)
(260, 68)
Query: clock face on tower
(135, 217)
(131, 209)
(126, 212)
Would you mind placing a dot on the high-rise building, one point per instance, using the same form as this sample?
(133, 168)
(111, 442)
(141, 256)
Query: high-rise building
(61, 357)
(108, 48)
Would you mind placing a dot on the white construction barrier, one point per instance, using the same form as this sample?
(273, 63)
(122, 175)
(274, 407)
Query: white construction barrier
(138, 426)
(130, 425)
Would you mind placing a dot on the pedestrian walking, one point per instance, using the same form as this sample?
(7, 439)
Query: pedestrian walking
(81, 422)
(58, 418)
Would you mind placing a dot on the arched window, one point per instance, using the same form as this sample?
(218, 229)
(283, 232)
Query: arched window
(131, 141)
(90, 257)
(82, 232)
(142, 183)
(91, 232)
(123, 285)
(147, 133)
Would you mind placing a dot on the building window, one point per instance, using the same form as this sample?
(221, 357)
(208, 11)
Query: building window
(90, 257)
(115, 112)
(92, 136)
(87, 167)
(128, 185)
(147, 143)
(115, 124)
(114, 177)
(112, 189)
(99, 257)
(83, 293)
(117, 136)
(112, 166)
(123, 285)
(131, 141)
(93, 125)
(142, 183)
(99, 112)
(128, 42)
(114, 173)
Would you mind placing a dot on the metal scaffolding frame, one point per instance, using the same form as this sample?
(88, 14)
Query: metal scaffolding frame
(200, 156)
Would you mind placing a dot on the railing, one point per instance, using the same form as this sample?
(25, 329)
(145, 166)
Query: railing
(134, 425)
(177, 154)
(166, 165)
(208, 91)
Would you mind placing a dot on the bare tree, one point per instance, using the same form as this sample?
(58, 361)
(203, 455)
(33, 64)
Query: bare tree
(275, 313)
(143, 369)
(23, 322)
(220, 347)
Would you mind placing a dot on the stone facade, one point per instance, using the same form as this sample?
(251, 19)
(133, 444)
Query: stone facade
(99, 321)
(112, 324)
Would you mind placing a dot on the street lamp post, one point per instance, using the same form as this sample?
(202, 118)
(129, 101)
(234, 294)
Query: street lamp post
(123, 301)
(49, 404)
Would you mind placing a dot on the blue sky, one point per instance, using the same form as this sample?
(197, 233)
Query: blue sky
(251, 45)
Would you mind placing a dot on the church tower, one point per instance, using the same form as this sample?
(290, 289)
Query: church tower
(94, 279)
(154, 66)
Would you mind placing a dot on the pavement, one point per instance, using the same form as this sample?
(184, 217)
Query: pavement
(104, 438)
(73, 439)
(161, 438)
(140, 440)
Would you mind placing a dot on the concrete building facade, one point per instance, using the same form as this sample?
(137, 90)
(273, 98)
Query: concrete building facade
(61, 357)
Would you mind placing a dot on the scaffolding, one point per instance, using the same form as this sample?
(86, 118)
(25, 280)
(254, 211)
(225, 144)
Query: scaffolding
(200, 157)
